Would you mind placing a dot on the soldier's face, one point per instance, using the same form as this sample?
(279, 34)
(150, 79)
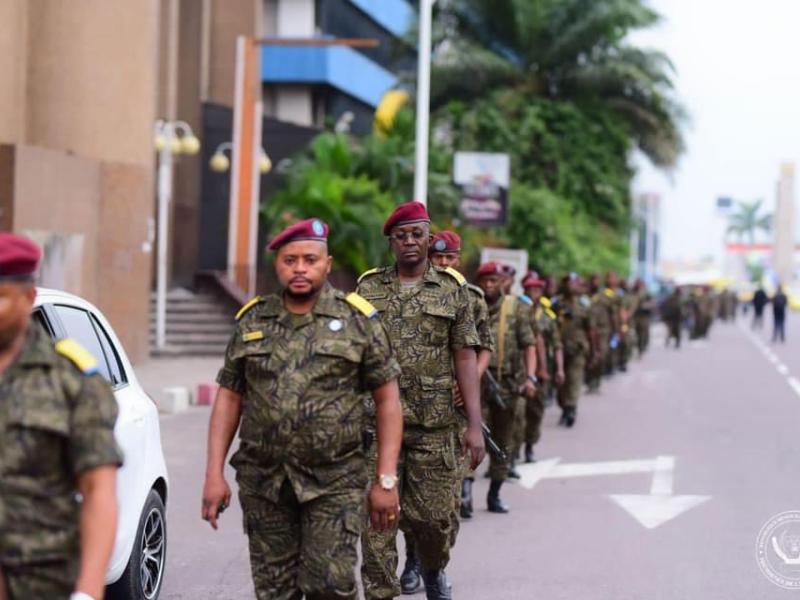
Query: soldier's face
(491, 285)
(534, 292)
(16, 303)
(303, 267)
(409, 243)
(446, 259)
(612, 280)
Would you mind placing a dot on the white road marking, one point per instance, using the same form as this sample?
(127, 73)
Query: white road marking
(663, 475)
(782, 369)
(768, 353)
(654, 510)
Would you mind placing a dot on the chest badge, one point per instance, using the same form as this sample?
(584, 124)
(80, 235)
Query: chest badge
(335, 325)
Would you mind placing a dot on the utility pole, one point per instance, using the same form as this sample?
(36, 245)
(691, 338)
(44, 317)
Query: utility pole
(423, 100)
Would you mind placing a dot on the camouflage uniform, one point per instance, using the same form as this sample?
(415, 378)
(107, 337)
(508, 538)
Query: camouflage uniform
(508, 368)
(300, 465)
(630, 302)
(575, 323)
(426, 322)
(56, 422)
(672, 313)
(602, 309)
(641, 321)
(546, 326)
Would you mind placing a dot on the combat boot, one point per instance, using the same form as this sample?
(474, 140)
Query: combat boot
(529, 457)
(437, 587)
(493, 502)
(512, 470)
(466, 499)
(410, 580)
(570, 414)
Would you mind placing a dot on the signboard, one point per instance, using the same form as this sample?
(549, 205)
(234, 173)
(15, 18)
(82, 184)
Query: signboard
(484, 180)
(516, 258)
(724, 206)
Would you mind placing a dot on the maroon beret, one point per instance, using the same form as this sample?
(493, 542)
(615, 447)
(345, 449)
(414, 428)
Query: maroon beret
(310, 229)
(19, 257)
(508, 270)
(409, 212)
(446, 241)
(490, 268)
(532, 279)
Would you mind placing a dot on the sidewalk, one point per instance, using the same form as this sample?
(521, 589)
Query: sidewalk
(155, 374)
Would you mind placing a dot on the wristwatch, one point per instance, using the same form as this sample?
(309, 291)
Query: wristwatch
(387, 482)
(80, 596)
(534, 380)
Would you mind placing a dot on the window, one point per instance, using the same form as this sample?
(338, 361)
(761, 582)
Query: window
(78, 325)
(39, 320)
(112, 358)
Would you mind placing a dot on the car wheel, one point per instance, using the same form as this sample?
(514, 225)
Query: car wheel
(144, 574)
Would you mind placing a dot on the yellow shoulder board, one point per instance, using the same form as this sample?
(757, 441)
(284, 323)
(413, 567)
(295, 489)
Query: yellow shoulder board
(366, 273)
(545, 302)
(609, 292)
(456, 275)
(80, 356)
(550, 314)
(361, 304)
(248, 306)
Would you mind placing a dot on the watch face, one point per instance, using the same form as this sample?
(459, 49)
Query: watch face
(387, 482)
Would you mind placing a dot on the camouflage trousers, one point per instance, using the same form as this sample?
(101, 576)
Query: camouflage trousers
(674, 332)
(429, 472)
(503, 423)
(304, 549)
(570, 392)
(595, 373)
(534, 413)
(47, 581)
(642, 334)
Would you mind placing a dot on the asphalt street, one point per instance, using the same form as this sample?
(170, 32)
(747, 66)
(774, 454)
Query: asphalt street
(659, 492)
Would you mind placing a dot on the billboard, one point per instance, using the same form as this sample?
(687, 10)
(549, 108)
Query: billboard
(484, 181)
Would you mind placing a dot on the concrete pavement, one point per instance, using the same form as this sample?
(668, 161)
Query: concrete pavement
(722, 409)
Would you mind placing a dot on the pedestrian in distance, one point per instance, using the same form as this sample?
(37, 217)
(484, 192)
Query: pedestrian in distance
(759, 302)
(296, 369)
(779, 303)
(58, 457)
(673, 314)
(428, 317)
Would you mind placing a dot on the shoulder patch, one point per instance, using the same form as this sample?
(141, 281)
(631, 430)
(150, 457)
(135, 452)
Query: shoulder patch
(361, 304)
(585, 301)
(526, 299)
(243, 311)
(545, 302)
(549, 312)
(456, 275)
(368, 273)
(80, 356)
(609, 292)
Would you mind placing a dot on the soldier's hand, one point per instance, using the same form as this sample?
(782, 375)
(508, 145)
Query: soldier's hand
(216, 498)
(384, 508)
(458, 399)
(474, 447)
(528, 389)
(560, 378)
(543, 375)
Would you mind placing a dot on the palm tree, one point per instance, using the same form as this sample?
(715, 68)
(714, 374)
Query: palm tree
(561, 49)
(747, 221)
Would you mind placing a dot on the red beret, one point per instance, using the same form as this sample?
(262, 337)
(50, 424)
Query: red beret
(490, 268)
(310, 229)
(19, 257)
(532, 279)
(409, 212)
(446, 241)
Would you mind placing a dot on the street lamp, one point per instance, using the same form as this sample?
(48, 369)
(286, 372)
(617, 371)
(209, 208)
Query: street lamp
(220, 163)
(423, 100)
(169, 138)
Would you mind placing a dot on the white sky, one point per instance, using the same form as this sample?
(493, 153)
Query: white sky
(738, 65)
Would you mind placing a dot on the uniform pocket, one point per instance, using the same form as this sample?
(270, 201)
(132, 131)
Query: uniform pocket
(37, 442)
(436, 324)
(335, 359)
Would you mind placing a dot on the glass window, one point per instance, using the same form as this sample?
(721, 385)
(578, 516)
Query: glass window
(79, 327)
(40, 321)
(114, 364)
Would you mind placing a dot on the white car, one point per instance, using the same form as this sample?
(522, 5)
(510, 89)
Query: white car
(136, 569)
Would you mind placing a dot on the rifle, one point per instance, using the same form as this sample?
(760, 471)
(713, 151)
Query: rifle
(491, 446)
(493, 390)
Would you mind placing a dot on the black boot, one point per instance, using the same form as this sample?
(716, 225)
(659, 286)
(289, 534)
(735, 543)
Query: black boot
(529, 457)
(437, 587)
(410, 580)
(570, 414)
(512, 470)
(493, 501)
(563, 420)
(466, 499)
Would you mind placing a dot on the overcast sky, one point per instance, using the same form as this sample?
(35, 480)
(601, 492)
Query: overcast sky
(738, 65)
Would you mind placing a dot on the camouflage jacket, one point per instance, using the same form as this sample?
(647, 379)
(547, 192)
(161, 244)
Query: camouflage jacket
(426, 323)
(575, 323)
(302, 380)
(604, 304)
(480, 314)
(508, 362)
(547, 326)
(56, 422)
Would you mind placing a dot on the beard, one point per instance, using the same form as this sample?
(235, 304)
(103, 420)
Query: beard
(11, 334)
(303, 296)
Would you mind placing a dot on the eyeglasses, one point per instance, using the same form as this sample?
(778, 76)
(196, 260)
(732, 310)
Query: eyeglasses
(400, 236)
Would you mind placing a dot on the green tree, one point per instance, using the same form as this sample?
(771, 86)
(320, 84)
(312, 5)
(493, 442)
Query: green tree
(748, 220)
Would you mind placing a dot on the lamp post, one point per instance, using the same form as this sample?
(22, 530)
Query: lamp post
(170, 138)
(220, 163)
(423, 100)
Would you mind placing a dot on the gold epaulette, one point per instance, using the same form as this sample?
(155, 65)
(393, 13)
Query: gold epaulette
(80, 356)
(248, 306)
(361, 304)
(456, 275)
(366, 273)
(609, 292)
(545, 302)
(549, 312)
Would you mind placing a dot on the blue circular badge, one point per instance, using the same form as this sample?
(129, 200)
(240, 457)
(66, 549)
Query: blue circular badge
(439, 245)
(317, 227)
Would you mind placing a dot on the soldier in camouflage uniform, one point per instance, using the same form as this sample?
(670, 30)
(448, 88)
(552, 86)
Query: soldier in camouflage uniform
(295, 370)
(629, 302)
(428, 316)
(641, 318)
(57, 418)
(576, 327)
(673, 313)
(513, 367)
(551, 360)
(606, 327)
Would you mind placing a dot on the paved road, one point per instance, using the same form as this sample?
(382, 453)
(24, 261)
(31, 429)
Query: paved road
(726, 410)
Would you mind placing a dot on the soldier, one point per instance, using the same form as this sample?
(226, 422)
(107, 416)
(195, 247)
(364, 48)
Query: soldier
(629, 302)
(550, 359)
(428, 316)
(57, 418)
(513, 367)
(672, 313)
(295, 370)
(604, 317)
(644, 312)
(576, 327)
